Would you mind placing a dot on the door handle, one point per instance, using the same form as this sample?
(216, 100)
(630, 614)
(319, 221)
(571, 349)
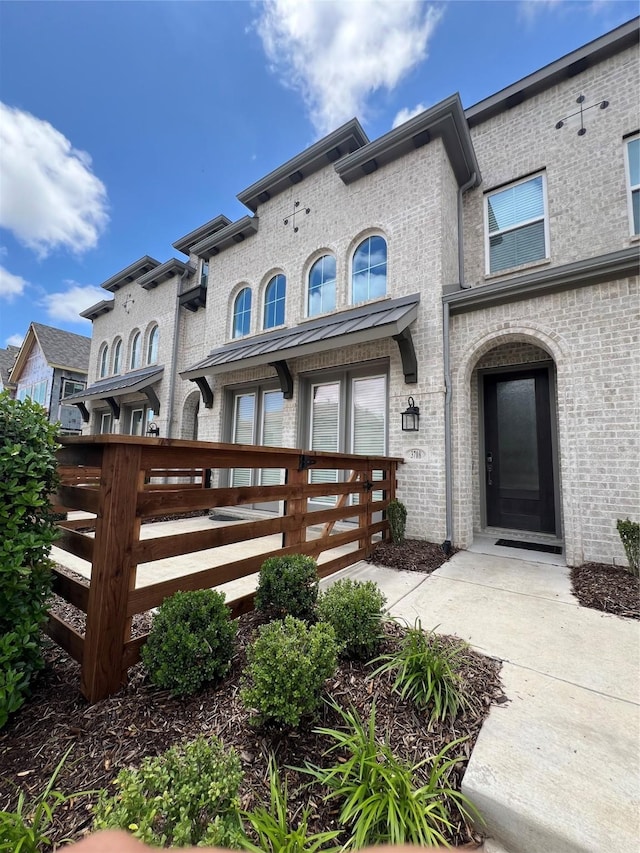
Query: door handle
(489, 468)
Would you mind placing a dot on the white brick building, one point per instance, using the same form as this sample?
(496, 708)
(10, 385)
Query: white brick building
(482, 261)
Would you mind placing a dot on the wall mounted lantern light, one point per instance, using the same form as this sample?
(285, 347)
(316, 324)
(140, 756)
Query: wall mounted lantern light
(153, 430)
(411, 417)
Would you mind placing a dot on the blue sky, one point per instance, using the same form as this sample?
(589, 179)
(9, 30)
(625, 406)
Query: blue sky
(125, 125)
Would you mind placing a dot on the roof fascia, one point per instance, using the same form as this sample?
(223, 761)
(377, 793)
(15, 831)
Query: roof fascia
(234, 233)
(130, 274)
(27, 344)
(566, 277)
(162, 273)
(184, 244)
(94, 311)
(445, 120)
(564, 68)
(343, 141)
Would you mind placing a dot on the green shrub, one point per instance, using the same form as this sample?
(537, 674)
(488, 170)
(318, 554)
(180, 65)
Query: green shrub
(630, 534)
(354, 609)
(379, 800)
(186, 796)
(288, 586)
(27, 478)
(25, 829)
(274, 829)
(426, 672)
(191, 641)
(397, 515)
(288, 665)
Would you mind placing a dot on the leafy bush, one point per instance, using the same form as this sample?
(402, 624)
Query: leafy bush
(288, 586)
(288, 665)
(354, 610)
(191, 641)
(397, 515)
(27, 478)
(426, 672)
(24, 830)
(274, 829)
(379, 799)
(186, 796)
(630, 535)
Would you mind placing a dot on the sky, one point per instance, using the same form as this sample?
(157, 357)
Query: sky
(125, 125)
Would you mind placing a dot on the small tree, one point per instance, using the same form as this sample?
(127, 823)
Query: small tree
(397, 515)
(27, 478)
(630, 534)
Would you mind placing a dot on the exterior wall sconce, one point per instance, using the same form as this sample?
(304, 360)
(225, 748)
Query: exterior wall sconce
(411, 417)
(153, 430)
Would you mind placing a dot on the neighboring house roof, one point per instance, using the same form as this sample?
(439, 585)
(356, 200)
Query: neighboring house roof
(116, 386)
(7, 360)
(61, 349)
(369, 322)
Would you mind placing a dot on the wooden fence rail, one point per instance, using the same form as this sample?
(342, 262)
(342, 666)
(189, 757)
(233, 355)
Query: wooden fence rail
(124, 480)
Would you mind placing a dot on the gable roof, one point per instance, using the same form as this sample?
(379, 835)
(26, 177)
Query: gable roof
(60, 349)
(7, 359)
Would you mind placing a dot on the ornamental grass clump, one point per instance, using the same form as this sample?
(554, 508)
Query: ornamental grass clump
(426, 672)
(288, 664)
(354, 609)
(186, 796)
(191, 641)
(288, 586)
(379, 796)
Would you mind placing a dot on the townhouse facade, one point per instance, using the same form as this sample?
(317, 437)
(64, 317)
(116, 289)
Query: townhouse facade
(479, 265)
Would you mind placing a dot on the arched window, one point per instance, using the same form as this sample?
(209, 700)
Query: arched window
(152, 346)
(274, 301)
(117, 356)
(136, 345)
(103, 361)
(369, 270)
(242, 313)
(322, 286)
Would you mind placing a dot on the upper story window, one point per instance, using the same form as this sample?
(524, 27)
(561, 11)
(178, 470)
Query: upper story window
(633, 185)
(71, 386)
(136, 347)
(369, 270)
(152, 346)
(242, 313)
(103, 361)
(117, 356)
(204, 273)
(322, 286)
(274, 301)
(516, 224)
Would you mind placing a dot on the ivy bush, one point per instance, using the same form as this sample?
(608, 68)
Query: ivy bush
(288, 665)
(630, 535)
(191, 641)
(186, 796)
(397, 515)
(27, 478)
(288, 586)
(354, 610)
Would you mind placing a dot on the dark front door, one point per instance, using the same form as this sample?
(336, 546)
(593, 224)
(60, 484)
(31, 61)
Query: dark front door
(518, 451)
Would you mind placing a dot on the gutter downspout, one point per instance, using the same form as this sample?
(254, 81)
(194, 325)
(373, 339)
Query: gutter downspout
(448, 461)
(174, 354)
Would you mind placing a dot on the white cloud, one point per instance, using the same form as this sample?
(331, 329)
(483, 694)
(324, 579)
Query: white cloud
(11, 285)
(67, 304)
(14, 341)
(405, 114)
(50, 196)
(336, 54)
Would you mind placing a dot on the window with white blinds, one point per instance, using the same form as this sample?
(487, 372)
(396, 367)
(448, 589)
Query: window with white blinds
(369, 428)
(633, 182)
(271, 433)
(325, 430)
(243, 433)
(516, 225)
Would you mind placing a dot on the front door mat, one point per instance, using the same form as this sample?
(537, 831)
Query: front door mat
(530, 546)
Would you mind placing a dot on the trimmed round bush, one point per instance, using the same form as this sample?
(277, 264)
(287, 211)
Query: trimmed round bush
(288, 586)
(191, 641)
(354, 610)
(186, 796)
(288, 665)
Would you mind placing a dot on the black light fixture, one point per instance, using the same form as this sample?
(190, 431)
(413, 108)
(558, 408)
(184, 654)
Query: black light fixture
(153, 430)
(411, 417)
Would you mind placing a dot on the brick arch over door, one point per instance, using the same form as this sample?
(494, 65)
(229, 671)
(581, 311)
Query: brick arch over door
(465, 364)
(189, 424)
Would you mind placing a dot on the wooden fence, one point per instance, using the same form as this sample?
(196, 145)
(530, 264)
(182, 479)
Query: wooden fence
(116, 478)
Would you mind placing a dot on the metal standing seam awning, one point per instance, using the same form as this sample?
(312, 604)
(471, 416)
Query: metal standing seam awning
(389, 318)
(110, 389)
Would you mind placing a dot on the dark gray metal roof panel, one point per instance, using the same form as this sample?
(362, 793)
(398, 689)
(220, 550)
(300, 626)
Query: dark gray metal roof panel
(339, 143)
(63, 349)
(130, 273)
(365, 322)
(115, 386)
(184, 244)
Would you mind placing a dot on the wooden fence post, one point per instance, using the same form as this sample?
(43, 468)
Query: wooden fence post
(295, 506)
(112, 573)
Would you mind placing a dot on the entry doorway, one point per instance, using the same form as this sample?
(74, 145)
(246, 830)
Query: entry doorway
(520, 485)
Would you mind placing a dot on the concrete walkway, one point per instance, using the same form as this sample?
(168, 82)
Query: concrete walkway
(556, 769)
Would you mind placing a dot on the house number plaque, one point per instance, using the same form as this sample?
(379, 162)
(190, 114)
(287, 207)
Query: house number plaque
(415, 453)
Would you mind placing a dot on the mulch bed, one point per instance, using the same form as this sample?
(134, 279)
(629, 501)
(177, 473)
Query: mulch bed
(411, 555)
(143, 720)
(607, 588)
